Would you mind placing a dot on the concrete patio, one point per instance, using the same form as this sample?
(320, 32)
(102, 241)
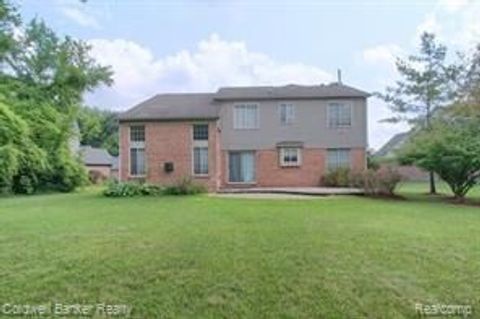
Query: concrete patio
(316, 191)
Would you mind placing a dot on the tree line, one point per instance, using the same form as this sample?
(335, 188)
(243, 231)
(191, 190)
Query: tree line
(43, 77)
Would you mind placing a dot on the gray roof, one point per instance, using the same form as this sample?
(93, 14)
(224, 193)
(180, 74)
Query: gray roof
(174, 107)
(182, 106)
(333, 90)
(95, 156)
(393, 144)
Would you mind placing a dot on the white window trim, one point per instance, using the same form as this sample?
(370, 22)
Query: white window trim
(349, 104)
(228, 166)
(131, 145)
(289, 164)
(292, 121)
(200, 143)
(257, 105)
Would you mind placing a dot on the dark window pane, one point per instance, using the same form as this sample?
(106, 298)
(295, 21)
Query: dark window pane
(235, 169)
(241, 166)
(200, 132)
(200, 160)
(137, 133)
(137, 161)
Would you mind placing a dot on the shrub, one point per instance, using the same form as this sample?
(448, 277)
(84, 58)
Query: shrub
(96, 177)
(134, 188)
(130, 189)
(24, 184)
(337, 178)
(185, 186)
(379, 182)
(151, 190)
(387, 180)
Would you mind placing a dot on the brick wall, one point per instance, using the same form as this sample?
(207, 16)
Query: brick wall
(172, 142)
(169, 142)
(269, 173)
(358, 159)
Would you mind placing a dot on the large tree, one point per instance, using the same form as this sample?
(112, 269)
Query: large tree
(426, 83)
(451, 149)
(42, 80)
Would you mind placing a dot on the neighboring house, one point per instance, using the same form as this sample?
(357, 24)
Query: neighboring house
(387, 154)
(245, 136)
(114, 169)
(388, 150)
(97, 160)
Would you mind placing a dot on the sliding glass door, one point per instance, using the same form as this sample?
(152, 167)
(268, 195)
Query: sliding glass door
(241, 166)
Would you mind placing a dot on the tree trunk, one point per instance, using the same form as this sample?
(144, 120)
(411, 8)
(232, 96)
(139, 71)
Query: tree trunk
(433, 189)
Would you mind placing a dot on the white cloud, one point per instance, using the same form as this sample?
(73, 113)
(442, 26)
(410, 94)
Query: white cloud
(78, 13)
(214, 63)
(382, 55)
(429, 24)
(453, 5)
(455, 22)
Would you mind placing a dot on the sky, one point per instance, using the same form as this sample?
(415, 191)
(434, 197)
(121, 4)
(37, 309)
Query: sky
(200, 45)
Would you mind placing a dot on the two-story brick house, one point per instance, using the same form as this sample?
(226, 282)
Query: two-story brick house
(245, 136)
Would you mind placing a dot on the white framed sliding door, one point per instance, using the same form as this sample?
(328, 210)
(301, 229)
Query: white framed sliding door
(241, 167)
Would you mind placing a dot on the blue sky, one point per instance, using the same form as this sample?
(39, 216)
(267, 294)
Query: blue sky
(199, 45)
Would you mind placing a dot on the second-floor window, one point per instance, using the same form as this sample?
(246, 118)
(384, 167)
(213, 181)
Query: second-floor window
(245, 116)
(200, 132)
(287, 113)
(339, 115)
(137, 133)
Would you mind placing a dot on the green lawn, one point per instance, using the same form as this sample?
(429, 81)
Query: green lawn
(419, 188)
(203, 257)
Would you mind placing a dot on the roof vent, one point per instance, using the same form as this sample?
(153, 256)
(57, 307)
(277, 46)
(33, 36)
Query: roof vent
(339, 76)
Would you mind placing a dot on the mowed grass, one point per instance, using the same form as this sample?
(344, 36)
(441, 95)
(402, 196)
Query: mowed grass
(204, 257)
(419, 189)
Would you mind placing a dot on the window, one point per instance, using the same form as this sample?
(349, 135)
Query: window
(339, 115)
(287, 113)
(137, 150)
(200, 132)
(245, 116)
(200, 149)
(137, 133)
(200, 160)
(137, 161)
(241, 167)
(290, 156)
(338, 158)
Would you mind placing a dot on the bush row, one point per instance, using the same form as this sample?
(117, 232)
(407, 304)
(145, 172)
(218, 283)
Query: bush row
(132, 188)
(382, 181)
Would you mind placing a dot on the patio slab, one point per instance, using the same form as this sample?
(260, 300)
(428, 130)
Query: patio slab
(318, 191)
